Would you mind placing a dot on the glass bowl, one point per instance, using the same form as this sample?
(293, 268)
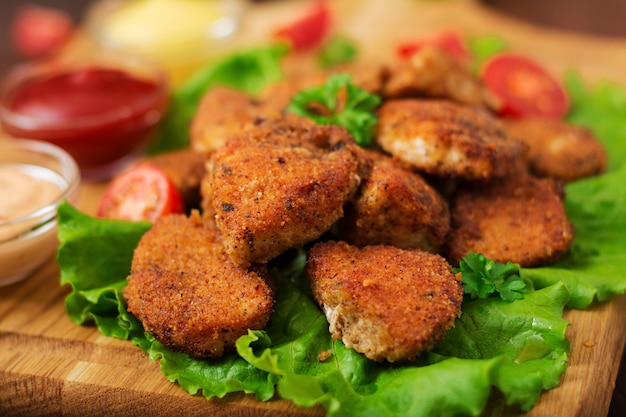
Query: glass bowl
(35, 177)
(101, 108)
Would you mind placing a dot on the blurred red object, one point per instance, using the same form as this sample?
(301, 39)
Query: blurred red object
(307, 31)
(37, 30)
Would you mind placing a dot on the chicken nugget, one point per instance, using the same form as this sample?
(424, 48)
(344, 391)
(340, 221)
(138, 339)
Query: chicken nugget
(279, 186)
(186, 292)
(518, 219)
(433, 72)
(447, 139)
(385, 302)
(395, 206)
(558, 149)
(222, 113)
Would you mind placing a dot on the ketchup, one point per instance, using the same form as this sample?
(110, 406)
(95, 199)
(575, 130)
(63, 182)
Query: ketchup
(100, 115)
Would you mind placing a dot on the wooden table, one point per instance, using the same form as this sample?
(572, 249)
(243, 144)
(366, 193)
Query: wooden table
(49, 366)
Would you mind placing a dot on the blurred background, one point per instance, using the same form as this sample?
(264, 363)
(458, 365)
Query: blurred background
(599, 17)
(603, 18)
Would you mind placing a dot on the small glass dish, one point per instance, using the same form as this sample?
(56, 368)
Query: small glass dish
(35, 177)
(101, 108)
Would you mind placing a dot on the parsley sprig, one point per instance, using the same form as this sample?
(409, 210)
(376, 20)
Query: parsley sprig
(339, 102)
(482, 276)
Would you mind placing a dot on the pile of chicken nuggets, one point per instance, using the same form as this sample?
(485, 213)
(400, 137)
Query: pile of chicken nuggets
(382, 227)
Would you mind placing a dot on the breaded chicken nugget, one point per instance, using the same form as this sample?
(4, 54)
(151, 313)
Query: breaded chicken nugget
(519, 219)
(395, 206)
(186, 168)
(187, 293)
(279, 186)
(385, 302)
(222, 113)
(558, 149)
(447, 139)
(433, 72)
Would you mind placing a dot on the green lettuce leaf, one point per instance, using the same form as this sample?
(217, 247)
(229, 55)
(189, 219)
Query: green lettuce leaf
(95, 257)
(529, 333)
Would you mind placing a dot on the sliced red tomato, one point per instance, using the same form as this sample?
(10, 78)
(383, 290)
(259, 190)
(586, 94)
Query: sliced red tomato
(449, 41)
(144, 192)
(37, 30)
(309, 30)
(524, 87)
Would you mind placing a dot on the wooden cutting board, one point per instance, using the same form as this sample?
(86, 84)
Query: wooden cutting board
(50, 366)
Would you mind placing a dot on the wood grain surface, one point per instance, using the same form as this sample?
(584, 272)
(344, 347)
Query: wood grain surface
(50, 366)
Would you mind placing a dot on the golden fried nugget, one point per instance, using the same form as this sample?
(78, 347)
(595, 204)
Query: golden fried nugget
(187, 293)
(558, 149)
(433, 72)
(385, 302)
(395, 206)
(517, 219)
(279, 186)
(185, 168)
(222, 113)
(447, 139)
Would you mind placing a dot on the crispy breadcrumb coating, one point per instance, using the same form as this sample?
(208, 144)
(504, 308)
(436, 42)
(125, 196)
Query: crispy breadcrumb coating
(558, 149)
(447, 139)
(395, 206)
(187, 293)
(279, 186)
(517, 219)
(385, 302)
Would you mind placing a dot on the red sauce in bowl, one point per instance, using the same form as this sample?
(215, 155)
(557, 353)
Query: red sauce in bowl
(103, 116)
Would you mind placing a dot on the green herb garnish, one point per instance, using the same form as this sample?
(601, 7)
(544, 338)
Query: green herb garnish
(339, 102)
(483, 276)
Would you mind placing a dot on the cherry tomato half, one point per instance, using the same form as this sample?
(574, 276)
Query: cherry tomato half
(524, 87)
(144, 192)
(309, 30)
(449, 41)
